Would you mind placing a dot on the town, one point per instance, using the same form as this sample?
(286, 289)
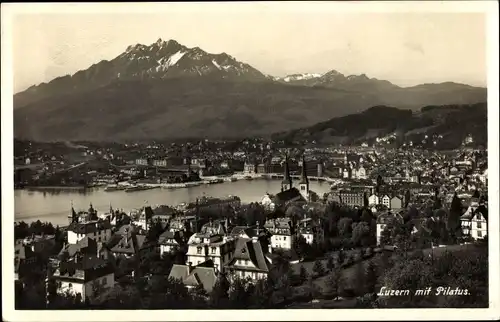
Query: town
(393, 215)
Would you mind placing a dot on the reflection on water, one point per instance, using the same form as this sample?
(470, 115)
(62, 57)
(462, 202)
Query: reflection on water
(54, 205)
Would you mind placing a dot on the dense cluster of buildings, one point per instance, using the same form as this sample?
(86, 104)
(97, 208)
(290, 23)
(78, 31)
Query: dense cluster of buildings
(388, 183)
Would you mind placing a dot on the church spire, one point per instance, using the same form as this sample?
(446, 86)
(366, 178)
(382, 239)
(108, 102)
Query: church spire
(304, 179)
(286, 184)
(74, 215)
(304, 182)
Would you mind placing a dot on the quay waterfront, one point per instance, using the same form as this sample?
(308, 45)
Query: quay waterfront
(54, 205)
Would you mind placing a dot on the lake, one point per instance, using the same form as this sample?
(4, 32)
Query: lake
(55, 205)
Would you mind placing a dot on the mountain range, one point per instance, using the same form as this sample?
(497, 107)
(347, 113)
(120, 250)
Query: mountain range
(167, 90)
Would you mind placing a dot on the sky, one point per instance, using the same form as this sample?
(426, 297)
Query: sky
(406, 48)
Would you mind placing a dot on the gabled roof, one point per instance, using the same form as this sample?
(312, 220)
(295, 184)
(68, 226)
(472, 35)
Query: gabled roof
(248, 249)
(483, 211)
(166, 237)
(130, 243)
(205, 276)
(469, 213)
(86, 244)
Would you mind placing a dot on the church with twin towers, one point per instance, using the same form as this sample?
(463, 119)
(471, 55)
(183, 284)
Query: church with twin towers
(290, 191)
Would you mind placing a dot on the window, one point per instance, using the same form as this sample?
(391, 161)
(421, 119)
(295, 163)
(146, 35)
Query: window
(284, 238)
(246, 262)
(479, 225)
(479, 217)
(104, 281)
(479, 234)
(70, 285)
(213, 250)
(198, 250)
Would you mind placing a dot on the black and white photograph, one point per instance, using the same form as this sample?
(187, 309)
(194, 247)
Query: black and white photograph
(286, 159)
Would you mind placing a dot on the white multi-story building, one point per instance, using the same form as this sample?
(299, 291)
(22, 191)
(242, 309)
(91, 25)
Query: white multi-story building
(211, 244)
(84, 276)
(373, 200)
(386, 201)
(249, 260)
(310, 231)
(100, 230)
(474, 222)
(281, 233)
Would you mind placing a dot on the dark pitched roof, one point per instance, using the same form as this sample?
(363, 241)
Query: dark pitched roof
(168, 235)
(89, 227)
(87, 269)
(205, 276)
(288, 195)
(483, 211)
(85, 245)
(248, 249)
(130, 243)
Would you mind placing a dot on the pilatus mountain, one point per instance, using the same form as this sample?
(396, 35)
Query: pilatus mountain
(166, 90)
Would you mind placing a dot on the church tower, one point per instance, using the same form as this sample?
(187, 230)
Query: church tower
(304, 181)
(286, 184)
(73, 218)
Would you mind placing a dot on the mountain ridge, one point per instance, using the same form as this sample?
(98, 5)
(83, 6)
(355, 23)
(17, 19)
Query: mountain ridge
(446, 125)
(166, 89)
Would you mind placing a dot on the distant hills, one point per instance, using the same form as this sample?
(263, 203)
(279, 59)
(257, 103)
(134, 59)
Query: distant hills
(167, 90)
(432, 126)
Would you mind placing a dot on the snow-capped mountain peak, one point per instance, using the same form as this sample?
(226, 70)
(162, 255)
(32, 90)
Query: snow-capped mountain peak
(163, 59)
(297, 77)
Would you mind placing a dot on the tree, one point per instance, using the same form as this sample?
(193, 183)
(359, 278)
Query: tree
(301, 247)
(340, 258)
(283, 288)
(333, 283)
(349, 259)
(303, 274)
(262, 294)
(318, 268)
(455, 214)
(312, 289)
(385, 236)
(360, 287)
(237, 294)
(371, 277)
(361, 234)
(366, 215)
(330, 264)
(407, 198)
(345, 227)
(219, 296)
(199, 294)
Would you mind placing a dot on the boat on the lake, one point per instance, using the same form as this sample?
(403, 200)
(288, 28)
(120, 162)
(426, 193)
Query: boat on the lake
(137, 188)
(114, 187)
